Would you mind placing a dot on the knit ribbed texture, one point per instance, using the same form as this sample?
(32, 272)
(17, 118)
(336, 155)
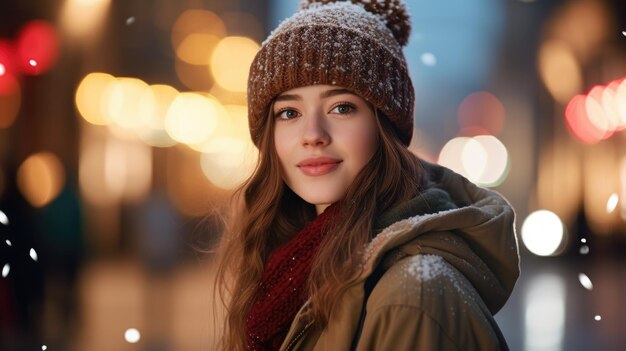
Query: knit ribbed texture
(337, 43)
(282, 290)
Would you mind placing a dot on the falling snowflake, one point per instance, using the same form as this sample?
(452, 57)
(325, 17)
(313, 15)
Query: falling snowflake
(584, 250)
(3, 218)
(5, 270)
(32, 62)
(130, 20)
(2, 69)
(611, 203)
(428, 59)
(624, 33)
(44, 347)
(585, 281)
(33, 254)
(597, 317)
(583, 240)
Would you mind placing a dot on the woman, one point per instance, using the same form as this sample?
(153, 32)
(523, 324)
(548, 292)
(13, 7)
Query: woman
(344, 239)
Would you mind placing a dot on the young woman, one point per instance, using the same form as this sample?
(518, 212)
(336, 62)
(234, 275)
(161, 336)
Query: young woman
(344, 240)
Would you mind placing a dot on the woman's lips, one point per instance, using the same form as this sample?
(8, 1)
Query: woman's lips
(318, 166)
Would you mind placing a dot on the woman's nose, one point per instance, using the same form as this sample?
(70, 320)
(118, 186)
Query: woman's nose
(315, 132)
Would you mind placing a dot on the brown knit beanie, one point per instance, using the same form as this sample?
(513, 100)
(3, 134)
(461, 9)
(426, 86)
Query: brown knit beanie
(353, 44)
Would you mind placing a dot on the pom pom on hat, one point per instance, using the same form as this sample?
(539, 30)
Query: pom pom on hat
(393, 12)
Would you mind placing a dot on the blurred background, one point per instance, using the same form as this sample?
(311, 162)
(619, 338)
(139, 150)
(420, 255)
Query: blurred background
(123, 124)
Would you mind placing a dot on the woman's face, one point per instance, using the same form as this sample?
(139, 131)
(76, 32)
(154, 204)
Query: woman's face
(324, 135)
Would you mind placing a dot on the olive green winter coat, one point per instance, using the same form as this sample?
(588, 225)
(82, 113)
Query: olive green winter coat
(450, 260)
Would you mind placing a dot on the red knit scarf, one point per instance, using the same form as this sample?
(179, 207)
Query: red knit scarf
(281, 292)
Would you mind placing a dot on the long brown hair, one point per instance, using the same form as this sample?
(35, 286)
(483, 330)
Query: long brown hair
(267, 213)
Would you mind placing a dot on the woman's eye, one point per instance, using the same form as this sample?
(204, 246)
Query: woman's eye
(286, 114)
(343, 109)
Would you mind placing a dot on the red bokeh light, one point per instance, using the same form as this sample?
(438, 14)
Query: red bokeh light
(578, 122)
(37, 47)
(7, 69)
(481, 113)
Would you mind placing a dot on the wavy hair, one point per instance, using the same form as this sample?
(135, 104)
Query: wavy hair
(267, 213)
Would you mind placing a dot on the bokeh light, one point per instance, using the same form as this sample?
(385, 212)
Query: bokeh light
(196, 48)
(192, 118)
(41, 178)
(121, 99)
(544, 315)
(37, 47)
(543, 233)
(89, 97)
(132, 335)
(481, 113)
(579, 124)
(231, 60)
(83, 19)
(559, 70)
(153, 106)
(228, 162)
(595, 112)
(482, 159)
(193, 22)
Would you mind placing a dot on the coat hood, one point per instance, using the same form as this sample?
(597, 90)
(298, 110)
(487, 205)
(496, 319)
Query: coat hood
(472, 228)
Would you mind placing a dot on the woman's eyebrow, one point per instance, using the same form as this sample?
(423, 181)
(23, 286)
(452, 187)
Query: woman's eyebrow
(333, 92)
(287, 97)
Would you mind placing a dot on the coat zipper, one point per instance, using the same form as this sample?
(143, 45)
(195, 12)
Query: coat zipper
(297, 337)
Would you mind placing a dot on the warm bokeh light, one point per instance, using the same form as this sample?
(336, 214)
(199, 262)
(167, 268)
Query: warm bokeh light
(608, 99)
(497, 166)
(112, 170)
(196, 22)
(83, 19)
(543, 233)
(559, 70)
(37, 47)
(10, 101)
(596, 113)
(227, 162)
(230, 62)
(41, 178)
(89, 97)
(482, 159)
(479, 113)
(451, 154)
(127, 169)
(196, 48)
(583, 25)
(192, 118)
(474, 159)
(121, 99)
(153, 106)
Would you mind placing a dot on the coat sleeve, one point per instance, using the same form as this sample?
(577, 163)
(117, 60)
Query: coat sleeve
(403, 328)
